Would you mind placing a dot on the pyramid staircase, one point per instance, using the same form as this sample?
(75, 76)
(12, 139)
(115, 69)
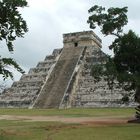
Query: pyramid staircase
(54, 89)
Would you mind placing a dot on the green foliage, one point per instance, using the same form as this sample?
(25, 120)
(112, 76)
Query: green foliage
(105, 71)
(4, 62)
(125, 99)
(110, 21)
(124, 66)
(12, 25)
(127, 58)
(97, 72)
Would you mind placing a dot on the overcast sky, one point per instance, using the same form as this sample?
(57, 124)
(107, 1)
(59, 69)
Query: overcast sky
(47, 20)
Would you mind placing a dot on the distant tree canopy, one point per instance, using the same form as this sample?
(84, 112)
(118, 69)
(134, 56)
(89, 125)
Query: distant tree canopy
(12, 25)
(110, 21)
(124, 66)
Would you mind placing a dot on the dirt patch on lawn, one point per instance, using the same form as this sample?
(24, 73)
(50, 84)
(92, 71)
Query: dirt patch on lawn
(80, 120)
(107, 121)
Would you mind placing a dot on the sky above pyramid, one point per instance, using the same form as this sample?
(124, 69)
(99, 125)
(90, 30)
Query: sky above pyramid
(48, 19)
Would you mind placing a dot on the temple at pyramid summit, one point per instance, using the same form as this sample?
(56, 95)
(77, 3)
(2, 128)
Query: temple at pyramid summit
(64, 80)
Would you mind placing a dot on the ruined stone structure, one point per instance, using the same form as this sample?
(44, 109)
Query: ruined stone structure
(63, 79)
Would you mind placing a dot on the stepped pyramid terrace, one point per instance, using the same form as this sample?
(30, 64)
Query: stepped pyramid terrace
(64, 80)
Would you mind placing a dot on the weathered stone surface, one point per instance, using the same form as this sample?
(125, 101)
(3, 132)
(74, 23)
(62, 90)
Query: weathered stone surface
(23, 93)
(56, 85)
(64, 79)
(87, 93)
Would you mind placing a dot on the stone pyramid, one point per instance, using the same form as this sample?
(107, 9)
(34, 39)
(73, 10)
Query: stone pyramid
(64, 79)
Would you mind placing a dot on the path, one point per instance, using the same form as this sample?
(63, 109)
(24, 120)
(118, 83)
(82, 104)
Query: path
(82, 120)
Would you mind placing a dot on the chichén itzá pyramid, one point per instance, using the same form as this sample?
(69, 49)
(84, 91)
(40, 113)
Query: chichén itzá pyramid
(64, 80)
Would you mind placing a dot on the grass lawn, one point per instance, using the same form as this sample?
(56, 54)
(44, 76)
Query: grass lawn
(21, 130)
(71, 112)
(14, 130)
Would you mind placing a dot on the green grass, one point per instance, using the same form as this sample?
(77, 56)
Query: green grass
(15, 130)
(22, 130)
(70, 112)
(121, 132)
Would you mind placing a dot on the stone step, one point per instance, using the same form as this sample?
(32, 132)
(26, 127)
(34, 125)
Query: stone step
(15, 97)
(39, 70)
(92, 104)
(99, 92)
(24, 88)
(56, 52)
(27, 84)
(54, 89)
(50, 58)
(101, 98)
(15, 103)
(33, 77)
(20, 92)
(46, 64)
(7, 100)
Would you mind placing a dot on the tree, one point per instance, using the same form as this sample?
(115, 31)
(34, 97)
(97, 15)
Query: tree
(2, 86)
(124, 66)
(12, 25)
